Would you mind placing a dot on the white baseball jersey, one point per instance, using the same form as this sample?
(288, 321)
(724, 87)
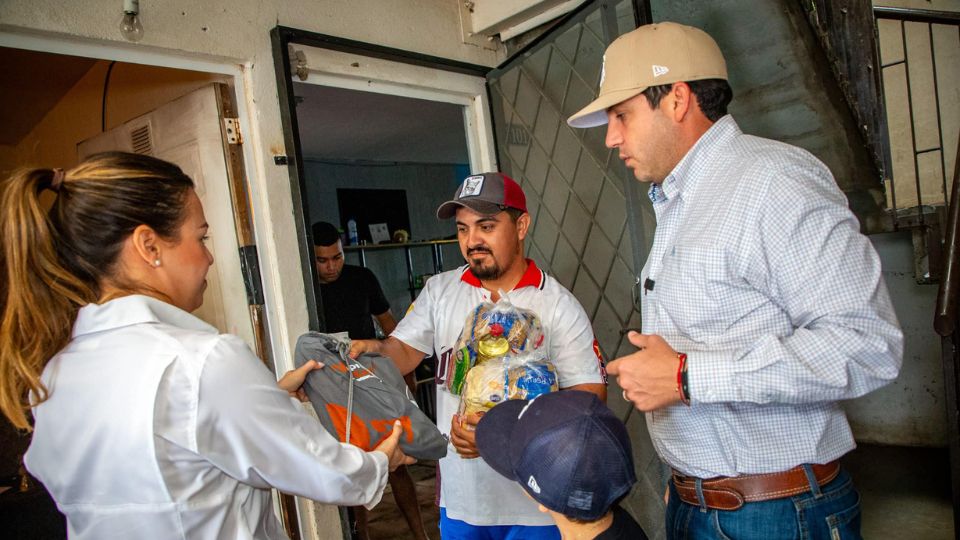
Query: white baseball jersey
(470, 490)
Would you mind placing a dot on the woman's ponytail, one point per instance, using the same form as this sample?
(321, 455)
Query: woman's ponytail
(53, 262)
(39, 298)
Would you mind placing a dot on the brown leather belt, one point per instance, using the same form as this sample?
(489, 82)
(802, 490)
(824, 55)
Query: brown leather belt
(730, 493)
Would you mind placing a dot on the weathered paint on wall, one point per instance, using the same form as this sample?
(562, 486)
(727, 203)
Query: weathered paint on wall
(911, 410)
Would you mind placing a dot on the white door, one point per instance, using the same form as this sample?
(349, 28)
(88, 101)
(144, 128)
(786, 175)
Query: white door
(187, 132)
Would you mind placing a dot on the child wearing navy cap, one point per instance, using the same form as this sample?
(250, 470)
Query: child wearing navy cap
(571, 454)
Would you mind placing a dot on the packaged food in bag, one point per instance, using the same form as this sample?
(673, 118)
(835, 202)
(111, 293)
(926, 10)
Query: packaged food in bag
(491, 331)
(512, 376)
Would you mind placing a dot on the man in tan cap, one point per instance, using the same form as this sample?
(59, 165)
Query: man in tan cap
(763, 305)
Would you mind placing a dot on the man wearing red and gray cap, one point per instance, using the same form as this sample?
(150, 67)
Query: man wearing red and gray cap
(492, 222)
(763, 305)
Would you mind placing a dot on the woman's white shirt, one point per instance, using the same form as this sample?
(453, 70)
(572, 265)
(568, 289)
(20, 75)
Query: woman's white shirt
(159, 427)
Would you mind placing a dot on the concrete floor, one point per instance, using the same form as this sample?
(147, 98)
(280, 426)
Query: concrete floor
(905, 493)
(386, 522)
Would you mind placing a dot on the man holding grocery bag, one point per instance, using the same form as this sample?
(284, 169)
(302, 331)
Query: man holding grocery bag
(500, 302)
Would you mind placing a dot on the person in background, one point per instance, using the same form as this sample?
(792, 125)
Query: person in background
(352, 299)
(352, 296)
(763, 305)
(492, 222)
(571, 455)
(148, 423)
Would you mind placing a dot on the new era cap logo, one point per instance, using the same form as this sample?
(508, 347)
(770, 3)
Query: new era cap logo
(532, 482)
(660, 70)
(472, 186)
(524, 409)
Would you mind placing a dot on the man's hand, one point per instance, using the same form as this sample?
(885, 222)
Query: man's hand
(405, 357)
(292, 381)
(391, 447)
(649, 376)
(463, 434)
(360, 346)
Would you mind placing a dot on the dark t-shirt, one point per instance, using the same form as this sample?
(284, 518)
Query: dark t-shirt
(623, 527)
(349, 302)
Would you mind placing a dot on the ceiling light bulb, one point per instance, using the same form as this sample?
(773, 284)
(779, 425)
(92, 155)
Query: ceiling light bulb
(130, 25)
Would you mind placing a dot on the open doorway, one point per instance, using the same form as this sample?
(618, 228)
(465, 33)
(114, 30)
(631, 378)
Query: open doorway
(182, 116)
(76, 98)
(381, 137)
(379, 158)
(373, 158)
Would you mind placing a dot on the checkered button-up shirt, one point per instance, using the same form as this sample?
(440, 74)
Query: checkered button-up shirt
(762, 277)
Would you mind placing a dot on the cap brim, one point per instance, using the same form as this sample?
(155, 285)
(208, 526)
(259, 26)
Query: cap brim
(494, 432)
(449, 209)
(595, 113)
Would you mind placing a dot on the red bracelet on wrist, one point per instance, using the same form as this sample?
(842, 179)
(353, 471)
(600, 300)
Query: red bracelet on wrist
(682, 385)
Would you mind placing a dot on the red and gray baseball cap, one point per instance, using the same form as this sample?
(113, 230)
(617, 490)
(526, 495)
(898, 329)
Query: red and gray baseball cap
(487, 194)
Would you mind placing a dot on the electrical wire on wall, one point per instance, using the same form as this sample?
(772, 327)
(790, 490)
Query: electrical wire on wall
(103, 105)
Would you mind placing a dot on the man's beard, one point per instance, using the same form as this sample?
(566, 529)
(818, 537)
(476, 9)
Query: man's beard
(491, 271)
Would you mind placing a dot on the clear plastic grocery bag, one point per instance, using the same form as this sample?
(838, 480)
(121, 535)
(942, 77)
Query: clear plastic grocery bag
(512, 376)
(492, 331)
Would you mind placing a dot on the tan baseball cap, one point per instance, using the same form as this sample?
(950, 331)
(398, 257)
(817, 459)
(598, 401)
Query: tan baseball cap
(654, 54)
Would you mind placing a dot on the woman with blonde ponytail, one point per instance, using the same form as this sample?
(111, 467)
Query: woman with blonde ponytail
(40, 298)
(147, 423)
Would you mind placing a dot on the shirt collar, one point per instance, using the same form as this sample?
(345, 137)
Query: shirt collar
(532, 277)
(680, 178)
(131, 310)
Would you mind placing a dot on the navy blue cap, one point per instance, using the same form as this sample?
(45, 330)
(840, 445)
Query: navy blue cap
(567, 449)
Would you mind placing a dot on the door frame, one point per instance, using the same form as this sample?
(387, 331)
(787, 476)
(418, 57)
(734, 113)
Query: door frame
(244, 160)
(384, 70)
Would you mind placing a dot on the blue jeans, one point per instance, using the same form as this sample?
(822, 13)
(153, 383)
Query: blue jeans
(829, 512)
(454, 529)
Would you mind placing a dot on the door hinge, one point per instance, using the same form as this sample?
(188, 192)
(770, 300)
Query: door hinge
(231, 126)
(250, 266)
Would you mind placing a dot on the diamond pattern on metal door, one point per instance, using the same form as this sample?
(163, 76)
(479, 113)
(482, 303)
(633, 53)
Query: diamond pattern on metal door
(575, 186)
